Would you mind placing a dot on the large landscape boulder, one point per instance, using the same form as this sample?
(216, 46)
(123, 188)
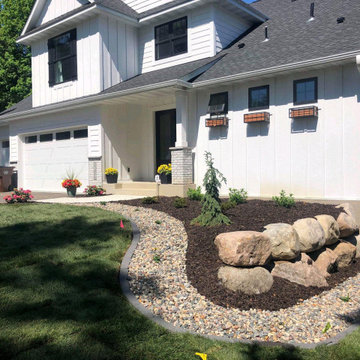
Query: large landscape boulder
(346, 253)
(347, 225)
(301, 272)
(243, 248)
(354, 240)
(249, 281)
(326, 262)
(311, 234)
(284, 241)
(330, 227)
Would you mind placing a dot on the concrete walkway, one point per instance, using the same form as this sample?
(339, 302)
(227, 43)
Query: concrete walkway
(86, 200)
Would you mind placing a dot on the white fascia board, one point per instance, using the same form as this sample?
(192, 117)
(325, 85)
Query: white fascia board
(358, 62)
(36, 8)
(25, 39)
(91, 100)
(242, 6)
(353, 55)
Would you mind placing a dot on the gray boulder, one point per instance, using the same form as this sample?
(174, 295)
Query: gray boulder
(284, 241)
(330, 227)
(311, 234)
(249, 281)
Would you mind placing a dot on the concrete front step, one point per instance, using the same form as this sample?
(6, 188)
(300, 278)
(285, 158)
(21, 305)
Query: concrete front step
(147, 189)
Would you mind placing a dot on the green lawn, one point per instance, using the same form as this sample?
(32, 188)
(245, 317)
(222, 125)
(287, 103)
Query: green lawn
(60, 299)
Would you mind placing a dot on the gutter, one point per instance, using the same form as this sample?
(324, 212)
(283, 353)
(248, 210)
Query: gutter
(278, 69)
(91, 100)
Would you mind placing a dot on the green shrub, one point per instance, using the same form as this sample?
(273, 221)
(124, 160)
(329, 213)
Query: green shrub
(227, 205)
(284, 200)
(180, 203)
(150, 200)
(195, 194)
(238, 196)
(211, 213)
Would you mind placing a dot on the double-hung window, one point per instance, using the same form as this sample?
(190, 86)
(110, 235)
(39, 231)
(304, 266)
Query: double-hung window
(62, 58)
(259, 98)
(171, 39)
(305, 91)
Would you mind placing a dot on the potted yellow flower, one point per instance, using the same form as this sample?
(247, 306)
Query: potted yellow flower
(164, 171)
(111, 175)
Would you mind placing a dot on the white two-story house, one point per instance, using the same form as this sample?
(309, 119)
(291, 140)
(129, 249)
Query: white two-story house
(271, 89)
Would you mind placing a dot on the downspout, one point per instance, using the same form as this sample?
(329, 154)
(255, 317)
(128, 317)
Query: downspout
(358, 62)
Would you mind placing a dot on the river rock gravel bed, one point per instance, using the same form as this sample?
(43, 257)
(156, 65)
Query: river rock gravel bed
(158, 280)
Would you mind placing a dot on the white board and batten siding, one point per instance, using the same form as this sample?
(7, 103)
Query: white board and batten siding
(88, 68)
(307, 157)
(118, 51)
(55, 8)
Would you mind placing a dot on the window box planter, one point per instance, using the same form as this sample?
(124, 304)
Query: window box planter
(305, 112)
(112, 179)
(257, 117)
(214, 122)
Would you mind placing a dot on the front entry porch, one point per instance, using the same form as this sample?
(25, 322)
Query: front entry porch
(138, 137)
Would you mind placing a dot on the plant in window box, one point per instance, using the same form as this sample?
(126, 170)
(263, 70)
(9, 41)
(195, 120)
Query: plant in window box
(71, 186)
(164, 171)
(111, 175)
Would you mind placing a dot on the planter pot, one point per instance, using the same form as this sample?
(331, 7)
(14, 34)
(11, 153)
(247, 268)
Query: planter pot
(71, 191)
(165, 179)
(112, 179)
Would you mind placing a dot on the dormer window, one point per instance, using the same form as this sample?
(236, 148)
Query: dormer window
(218, 104)
(171, 39)
(62, 58)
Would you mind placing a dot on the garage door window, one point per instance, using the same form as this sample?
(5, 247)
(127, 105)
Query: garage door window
(31, 139)
(46, 137)
(65, 135)
(80, 134)
(5, 144)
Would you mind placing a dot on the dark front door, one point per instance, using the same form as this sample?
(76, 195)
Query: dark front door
(165, 135)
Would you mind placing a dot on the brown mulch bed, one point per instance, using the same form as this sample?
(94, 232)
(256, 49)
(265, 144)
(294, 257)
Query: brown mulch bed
(203, 261)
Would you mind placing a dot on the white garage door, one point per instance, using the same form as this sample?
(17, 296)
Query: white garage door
(48, 157)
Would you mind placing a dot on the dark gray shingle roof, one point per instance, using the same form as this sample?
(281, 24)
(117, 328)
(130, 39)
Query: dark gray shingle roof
(119, 6)
(23, 105)
(292, 37)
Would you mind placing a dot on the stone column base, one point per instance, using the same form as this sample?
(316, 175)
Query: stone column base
(95, 172)
(182, 165)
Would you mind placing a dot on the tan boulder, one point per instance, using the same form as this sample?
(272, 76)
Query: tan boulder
(284, 241)
(326, 262)
(249, 281)
(301, 272)
(347, 207)
(311, 234)
(347, 225)
(354, 240)
(243, 248)
(346, 253)
(330, 227)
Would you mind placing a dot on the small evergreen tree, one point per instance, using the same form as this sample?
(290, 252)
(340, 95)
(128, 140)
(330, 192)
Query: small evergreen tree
(211, 213)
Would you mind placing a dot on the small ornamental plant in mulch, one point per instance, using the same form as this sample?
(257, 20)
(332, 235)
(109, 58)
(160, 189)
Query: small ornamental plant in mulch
(19, 196)
(94, 190)
(211, 213)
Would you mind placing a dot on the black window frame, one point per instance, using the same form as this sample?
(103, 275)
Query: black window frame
(59, 136)
(48, 137)
(250, 98)
(79, 131)
(29, 139)
(225, 107)
(5, 144)
(313, 101)
(53, 59)
(171, 39)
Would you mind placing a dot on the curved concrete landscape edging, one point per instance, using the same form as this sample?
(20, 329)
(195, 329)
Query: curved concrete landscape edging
(125, 287)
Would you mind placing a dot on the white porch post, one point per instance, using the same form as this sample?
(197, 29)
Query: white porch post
(181, 154)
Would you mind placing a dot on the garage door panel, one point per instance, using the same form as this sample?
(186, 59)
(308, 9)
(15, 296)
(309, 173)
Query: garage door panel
(47, 163)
